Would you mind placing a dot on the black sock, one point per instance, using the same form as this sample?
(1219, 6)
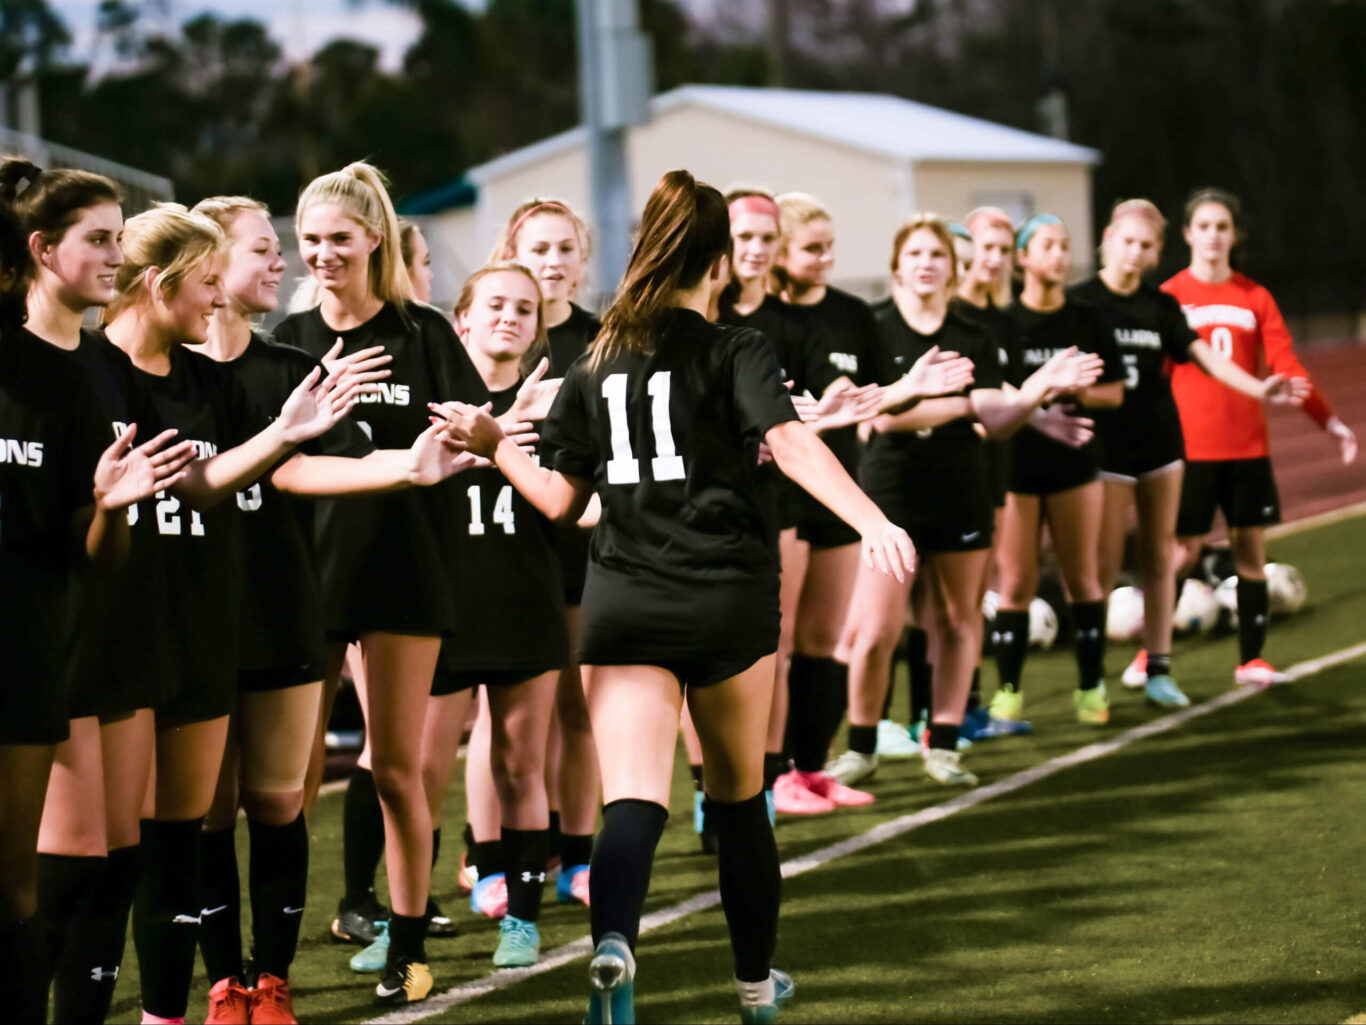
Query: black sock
(1252, 615)
(83, 984)
(1011, 634)
(836, 699)
(622, 859)
(362, 835)
(279, 886)
(220, 925)
(808, 704)
(407, 938)
(975, 694)
(487, 857)
(922, 676)
(1088, 621)
(863, 739)
(526, 852)
(1159, 665)
(553, 850)
(23, 971)
(166, 912)
(944, 736)
(66, 886)
(436, 845)
(696, 772)
(575, 850)
(775, 764)
(751, 882)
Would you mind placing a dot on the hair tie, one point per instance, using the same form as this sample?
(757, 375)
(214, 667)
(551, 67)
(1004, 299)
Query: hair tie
(754, 205)
(1026, 230)
(959, 231)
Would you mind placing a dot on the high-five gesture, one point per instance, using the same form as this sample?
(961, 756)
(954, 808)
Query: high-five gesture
(126, 475)
(1069, 371)
(535, 395)
(1283, 390)
(364, 366)
(939, 373)
(315, 406)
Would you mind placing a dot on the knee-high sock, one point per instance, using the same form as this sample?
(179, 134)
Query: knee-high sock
(84, 980)
(220, 925)
(526, 852)
(1011, 635)
(751, 882)
(1088, 617)
(921, 674)
(23, 971)
(819, 694)
(1253, 602)
(620, 871)
(66, 886)
(166, 913)
(362, 834)
(278, 884)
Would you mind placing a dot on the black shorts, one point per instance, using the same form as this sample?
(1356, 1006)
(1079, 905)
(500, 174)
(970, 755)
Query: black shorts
(210, 694)
(571, 545)
(453, 681)
(996, 454)
(1127, 458)
(255, 681)
(1045, 467)
(819, 527)
(702, 632)
(947, 512)
(1243, 489)
(34, 713)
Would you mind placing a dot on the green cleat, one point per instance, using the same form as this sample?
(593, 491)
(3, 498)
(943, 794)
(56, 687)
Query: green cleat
(759, 1005)
(374, 957)
(1008, 703)
(1093, 707)
(519, 944)
(1162, 690)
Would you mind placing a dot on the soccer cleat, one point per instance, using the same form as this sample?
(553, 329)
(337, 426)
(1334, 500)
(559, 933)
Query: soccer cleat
(356, 920)
(405, 982)
(761, 1002)
(572, 886)
(612, 974)
(979, 725)
(770, 802)
(895, 741)
(1136, 675)
(469, 875)
(1162, 690)
(374, 957)
(490, 896)
(519, 943)
(825, 785)
(271, 1003)
(229, 1003)
(1092, 706)
(946, 767)
(791, 796)
(852, 767)
(438, 922)
(1258, 673)
(1007, 703)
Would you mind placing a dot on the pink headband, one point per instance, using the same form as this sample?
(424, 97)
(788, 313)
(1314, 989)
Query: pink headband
(989, 215)
(1139, 208)
(755, 205)
(549, 204)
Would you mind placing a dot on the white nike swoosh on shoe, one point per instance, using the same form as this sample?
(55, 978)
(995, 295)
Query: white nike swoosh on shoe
(382, 990)
(184, 920)
(207, 912)
(972, 536)
(292, 911)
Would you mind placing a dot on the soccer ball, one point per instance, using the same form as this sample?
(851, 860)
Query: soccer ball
(1198, 608)
(1286, 589)
(1226, 594)
(991, 601)
(1043, 624)
(1124, 615)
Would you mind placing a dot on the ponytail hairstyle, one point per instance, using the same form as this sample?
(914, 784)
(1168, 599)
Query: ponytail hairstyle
(942, 231)
(506, 246)
(360, 190)
(795, 209)
(225, 209)
(170, 238)
(684, 229)
(15, 262)
(540, 345)
(50, 202)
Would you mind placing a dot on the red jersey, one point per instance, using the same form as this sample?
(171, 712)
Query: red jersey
(1239, 320)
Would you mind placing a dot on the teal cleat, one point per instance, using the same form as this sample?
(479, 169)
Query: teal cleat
(613, 975)
(699, 816)
(767, 1010)
(519, 943)
(1163, 691)
(374, 957)
(771, 803)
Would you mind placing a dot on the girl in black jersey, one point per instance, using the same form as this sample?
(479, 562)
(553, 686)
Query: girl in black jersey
(1049, 481)
(1143, 459)
(926, 468)
(664, 421)
(282, 637)
(62, 506)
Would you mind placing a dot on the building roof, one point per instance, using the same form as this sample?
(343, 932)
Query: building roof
(451, 196)
(885, 125)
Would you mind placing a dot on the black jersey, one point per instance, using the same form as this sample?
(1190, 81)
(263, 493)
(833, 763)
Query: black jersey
(1036, 460)
(570, 339)
(383, 564)
(793, 335)
(51, 438)
(510, 602)
(281, 609)
(1149, 330)
(841, 345)
(996, 322)
(670, 439)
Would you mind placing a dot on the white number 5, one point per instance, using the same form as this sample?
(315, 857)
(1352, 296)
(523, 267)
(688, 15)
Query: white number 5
(623, 467)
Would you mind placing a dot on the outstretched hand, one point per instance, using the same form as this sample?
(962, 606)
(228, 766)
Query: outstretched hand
(840, 407)
(1060, 424)
(363, 366)
(888, 549)
(1346, 439)
(939, 373)
(434, 457)
(535, 396)
(1281, 390)
(315, 406)
(472, 428)
(1070, 371)
(125, 475)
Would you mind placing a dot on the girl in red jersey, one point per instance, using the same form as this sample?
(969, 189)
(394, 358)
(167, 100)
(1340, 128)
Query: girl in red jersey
(1228, 463)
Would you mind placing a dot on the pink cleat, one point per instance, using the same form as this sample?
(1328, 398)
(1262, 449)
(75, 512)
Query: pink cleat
(791, 796)
(825, 785)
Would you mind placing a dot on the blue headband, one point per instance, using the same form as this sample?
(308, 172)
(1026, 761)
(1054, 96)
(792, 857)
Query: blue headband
(960, 231)
(1026, 230)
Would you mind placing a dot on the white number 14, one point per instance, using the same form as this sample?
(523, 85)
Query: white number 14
(624, 467)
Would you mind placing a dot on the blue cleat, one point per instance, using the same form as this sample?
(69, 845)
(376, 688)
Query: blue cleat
(519, 943)
(612, 973)
(1163, 691)
(980, 724)
(375, 957)
(758, 1007)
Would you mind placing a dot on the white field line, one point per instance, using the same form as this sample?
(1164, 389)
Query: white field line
(495, 981)
(1319, 520)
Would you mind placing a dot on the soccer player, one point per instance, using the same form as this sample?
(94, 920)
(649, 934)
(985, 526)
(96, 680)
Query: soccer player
(1228, 464)
(664, 420)
(417, 260)
(1143, 451)
(1052, 482)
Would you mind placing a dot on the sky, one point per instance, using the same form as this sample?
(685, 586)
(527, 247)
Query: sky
(300, 26)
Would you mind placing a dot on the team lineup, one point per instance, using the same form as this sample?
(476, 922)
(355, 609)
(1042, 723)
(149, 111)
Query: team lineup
(722, 507)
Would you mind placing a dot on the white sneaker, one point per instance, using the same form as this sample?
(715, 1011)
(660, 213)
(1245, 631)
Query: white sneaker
(895, 741)
(946, 767)
(1137, 674)
(851, 767)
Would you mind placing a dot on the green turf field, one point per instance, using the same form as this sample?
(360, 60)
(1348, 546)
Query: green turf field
(1207, 873)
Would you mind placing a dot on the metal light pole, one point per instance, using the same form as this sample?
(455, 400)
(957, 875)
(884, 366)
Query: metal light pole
(615, 84)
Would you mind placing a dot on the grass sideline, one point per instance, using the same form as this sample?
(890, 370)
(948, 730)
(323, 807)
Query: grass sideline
(1021, 908)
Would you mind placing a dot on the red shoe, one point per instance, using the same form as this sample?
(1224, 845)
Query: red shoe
(229, 1003)
(271, 1003)
(825, 785)
(1258, 673)
(791, 796)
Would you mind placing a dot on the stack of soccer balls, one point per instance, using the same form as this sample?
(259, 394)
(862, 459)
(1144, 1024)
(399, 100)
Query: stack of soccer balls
(1202, 608)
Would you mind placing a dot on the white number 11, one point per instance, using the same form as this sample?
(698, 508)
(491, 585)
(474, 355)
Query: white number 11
(623, 467)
